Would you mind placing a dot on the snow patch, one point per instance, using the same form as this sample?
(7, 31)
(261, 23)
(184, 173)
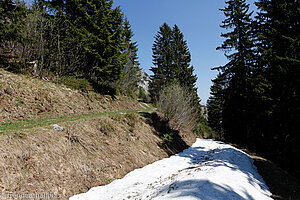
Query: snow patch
(207, 170)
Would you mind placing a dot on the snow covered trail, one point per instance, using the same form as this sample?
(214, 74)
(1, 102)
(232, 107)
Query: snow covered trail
(208, 170)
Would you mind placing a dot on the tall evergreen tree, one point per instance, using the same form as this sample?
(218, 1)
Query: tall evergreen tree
(99, 28)
(215, 104)
(12, 20)
(171, 59)
(131, 48)
(181, 68)
(12, 24)
(162, 60)
(236, 72)
(131, 71)
(278, 46)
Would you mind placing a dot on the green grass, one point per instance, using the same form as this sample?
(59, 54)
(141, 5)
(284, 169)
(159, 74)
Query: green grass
(47, 121)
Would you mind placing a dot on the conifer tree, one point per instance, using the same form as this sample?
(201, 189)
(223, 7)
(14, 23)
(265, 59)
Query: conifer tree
(215, 104)
(12, 24)
(131, 71)
(236, 72)
(181, 68)
(162, 60)
(12, 20)
(277, 34)
(99, 28)
(171, 59)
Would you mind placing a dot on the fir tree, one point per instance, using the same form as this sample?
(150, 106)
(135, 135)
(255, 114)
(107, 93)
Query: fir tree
(181, 68)
(99, 28)
(277, 34)
(171, 59)
(236, 72)
(215, 104)
(12, 20)
(162, 60)
(13, 15)
(131, 71)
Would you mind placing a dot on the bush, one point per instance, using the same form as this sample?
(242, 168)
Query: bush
(77, 84)
(177, 105)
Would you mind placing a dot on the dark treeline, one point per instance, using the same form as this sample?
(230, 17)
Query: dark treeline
(255, 97)
(77, 42)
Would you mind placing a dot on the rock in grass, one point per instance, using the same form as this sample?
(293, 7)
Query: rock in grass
(57, 128)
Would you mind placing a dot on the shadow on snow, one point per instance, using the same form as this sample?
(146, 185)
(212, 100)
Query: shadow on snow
(229, 157)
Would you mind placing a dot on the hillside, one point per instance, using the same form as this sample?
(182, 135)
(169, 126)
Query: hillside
(103, 138)
(23, 97)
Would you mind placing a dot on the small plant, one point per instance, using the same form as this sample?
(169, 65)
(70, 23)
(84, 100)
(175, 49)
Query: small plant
(106, 127)
(20, 102)
(108, 180)
(167, 138)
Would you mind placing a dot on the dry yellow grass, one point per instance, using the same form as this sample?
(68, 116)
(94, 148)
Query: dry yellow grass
(88, 153)
(23, 97)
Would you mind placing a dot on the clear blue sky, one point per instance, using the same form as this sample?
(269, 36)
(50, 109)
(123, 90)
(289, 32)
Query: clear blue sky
(199, 21)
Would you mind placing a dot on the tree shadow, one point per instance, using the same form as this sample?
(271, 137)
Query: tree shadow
(228, 157)
(282, 185)
(202, 189)
(172, 141)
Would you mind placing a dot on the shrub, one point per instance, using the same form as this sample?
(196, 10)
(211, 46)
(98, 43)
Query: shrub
(77, 83)
(168, 137)
(177, 105)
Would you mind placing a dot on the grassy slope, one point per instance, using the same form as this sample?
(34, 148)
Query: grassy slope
(100, 142)
(25, 98)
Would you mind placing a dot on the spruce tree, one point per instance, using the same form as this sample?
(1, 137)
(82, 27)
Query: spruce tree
(171, 59)
(131, 71)
(181, 68)
(215, 104)
(162, 60)
(99, 28)
(278, 46)
(12, 24)
(236, 72)
(12, 20)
